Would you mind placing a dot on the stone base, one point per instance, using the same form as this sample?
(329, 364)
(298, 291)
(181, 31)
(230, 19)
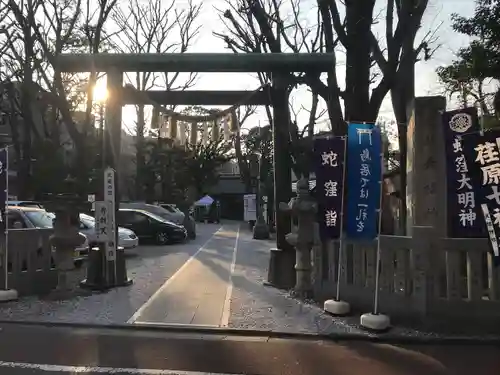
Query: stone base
(8, 295)
(66, 294)
(375, 322)
(94, 286)
(260, 231)
(338, 308)
(281, 271)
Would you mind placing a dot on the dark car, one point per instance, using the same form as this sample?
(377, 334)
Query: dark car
(189, 223)
(148, 226)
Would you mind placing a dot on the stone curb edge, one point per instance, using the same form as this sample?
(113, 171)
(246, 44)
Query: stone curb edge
(387, 338)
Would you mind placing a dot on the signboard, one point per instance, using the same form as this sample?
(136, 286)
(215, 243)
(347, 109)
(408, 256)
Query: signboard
(482, 153)
(109, 200)
(364, 175)
(250, 207)
(464, 217)
(101, 221)
(328, 161)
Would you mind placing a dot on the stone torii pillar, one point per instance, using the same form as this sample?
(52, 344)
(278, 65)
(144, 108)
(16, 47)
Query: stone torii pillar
(281, 264)
(111, 151)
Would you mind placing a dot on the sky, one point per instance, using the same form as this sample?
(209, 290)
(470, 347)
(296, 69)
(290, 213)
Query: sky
(437, 17)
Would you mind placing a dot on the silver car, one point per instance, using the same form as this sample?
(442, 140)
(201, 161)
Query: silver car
(30, 217)
(126, 238)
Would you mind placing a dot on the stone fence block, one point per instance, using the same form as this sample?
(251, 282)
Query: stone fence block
(30, 263)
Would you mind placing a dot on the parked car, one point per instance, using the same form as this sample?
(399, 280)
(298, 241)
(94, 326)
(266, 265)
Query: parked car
(189, 222)
(126, 237)
(30, 217)
(174, 216)
(34, 204)
(149, 226)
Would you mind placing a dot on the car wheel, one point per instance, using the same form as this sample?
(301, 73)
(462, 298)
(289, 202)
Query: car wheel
(161, 238)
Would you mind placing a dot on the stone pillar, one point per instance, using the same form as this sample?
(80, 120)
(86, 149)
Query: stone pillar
(426, 166)
(260, 229)
(114, 121)
(112, 146)
(281, 273)
(426, 196)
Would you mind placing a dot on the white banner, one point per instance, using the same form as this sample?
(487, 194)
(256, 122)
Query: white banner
(109, 199)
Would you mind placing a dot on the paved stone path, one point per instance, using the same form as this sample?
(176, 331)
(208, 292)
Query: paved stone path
(198, 293)
(148, 266)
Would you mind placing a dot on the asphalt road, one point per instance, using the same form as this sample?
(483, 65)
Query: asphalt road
(65, 350)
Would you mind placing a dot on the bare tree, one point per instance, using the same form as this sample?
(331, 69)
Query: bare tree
(155, 27)
(277, 26)
(46, 29)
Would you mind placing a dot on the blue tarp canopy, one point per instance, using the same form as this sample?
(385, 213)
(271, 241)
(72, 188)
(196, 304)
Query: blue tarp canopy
(205, 201)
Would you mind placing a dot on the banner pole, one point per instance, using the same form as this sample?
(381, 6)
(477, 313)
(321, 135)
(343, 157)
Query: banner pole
(376, 321)
(341, 242)
(336, 306)
(6, 171)
(379, 230)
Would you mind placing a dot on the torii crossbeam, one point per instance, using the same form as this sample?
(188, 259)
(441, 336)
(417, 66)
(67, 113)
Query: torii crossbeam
(279, 65)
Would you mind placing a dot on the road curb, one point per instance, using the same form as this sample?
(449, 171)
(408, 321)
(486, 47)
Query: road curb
(387, 338)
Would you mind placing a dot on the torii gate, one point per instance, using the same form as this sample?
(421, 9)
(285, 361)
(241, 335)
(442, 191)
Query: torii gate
(279, 65)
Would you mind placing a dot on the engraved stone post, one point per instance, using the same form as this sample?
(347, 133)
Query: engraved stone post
(426, 169)
(426, 196)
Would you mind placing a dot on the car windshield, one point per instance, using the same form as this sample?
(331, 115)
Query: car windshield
(88, 220)
(168, 208)
(157, 217)
(40, 219)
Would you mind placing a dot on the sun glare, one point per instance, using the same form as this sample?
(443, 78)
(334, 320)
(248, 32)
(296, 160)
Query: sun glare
(100, 92)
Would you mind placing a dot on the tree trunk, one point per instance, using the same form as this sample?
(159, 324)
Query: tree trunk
(402, 95)
(359, 19)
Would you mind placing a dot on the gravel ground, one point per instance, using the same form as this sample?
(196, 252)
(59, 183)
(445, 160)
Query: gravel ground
(253, 305)
(256, 306)
(148, 271)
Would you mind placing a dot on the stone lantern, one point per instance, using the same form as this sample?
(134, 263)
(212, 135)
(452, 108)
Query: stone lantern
(304, 208)
(66, 236)
(260, 229)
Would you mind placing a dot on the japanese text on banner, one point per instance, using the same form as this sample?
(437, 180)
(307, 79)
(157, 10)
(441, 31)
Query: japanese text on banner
(364, 173)
(482, 152)
(329, 168)
(464, 217)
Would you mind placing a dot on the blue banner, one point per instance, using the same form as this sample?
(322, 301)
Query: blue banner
(482, 153)
(4, 172)
(328, 161)
(364, 174)
(464, 216)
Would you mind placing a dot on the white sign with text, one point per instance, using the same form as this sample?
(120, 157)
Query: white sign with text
(109, 199)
